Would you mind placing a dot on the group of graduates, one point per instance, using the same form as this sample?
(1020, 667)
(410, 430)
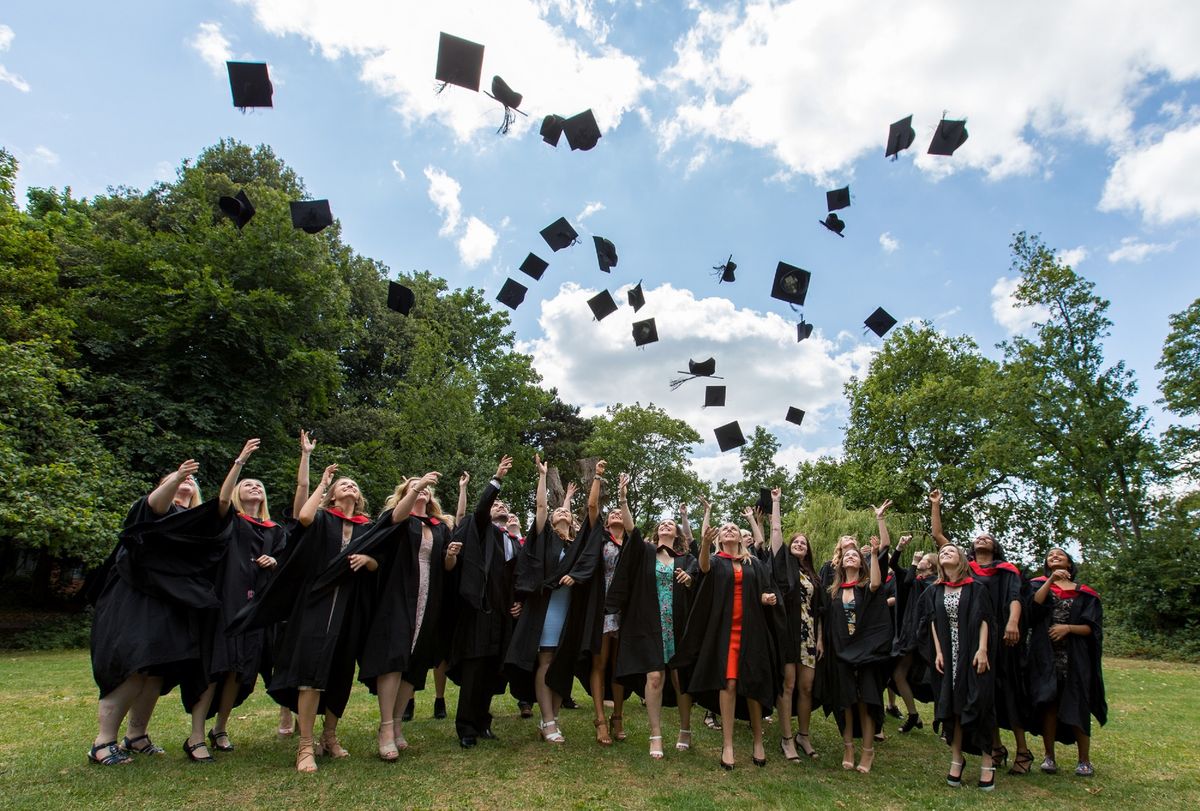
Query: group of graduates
(209, 595)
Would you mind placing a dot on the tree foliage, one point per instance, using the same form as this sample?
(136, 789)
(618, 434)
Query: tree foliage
(1180, 365)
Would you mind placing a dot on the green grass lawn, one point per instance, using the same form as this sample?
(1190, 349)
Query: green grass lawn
(1145, 758)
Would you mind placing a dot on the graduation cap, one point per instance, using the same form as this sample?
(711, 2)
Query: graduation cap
(250, 84)
(400, 298)
(552, 127)
(704, 368)
(582, 131)
(725, 272)
(559, 234)
(637, 299)
(602, 305)
(764, 503)
(880, 321)
(948, 136)
(790, 284)
(508, 97)
(311, 215)
(803, 330)
(838, 198)
(794, 415)
(512, 293)
(644, 332)
(835, 224)
(238, 208)
(459, 62)
(900, 137)
(729, 436)
(606, 253)
(714, 396)
(534, 266)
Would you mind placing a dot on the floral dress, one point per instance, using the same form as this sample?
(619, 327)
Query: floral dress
(950, 601)
(612, 552)
(664, 578)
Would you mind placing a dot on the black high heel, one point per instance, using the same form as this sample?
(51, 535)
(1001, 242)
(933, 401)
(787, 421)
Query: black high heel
(809, 752)
(989, 784)
(726, 766)
(955, 781)
(913, 721)
(1000, 755)
(1022, 763)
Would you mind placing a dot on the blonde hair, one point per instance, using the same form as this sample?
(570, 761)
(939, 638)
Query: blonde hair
(264, 512)
(195, 500)
(959, 571)
(743, 552)
(360, 504)
(434, 508)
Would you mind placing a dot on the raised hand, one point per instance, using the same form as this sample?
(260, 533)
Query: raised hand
(570, 493)
(430, 479)
(875, 544)
(903, 542)
(935, 497)
(601, 466)
(710, 535)
(748, 513)
(307, 445)
(542, 467)
(504, 466)
(622, 484)
(250, 447)
(776, 493)
(705, 504)
(327, 476)
(463, 479)
(188, 468)
(882, 508)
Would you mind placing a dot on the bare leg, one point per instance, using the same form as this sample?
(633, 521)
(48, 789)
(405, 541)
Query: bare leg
(728, 703)
(804, 711)
(685, 713)
(868, 733)
(618, 693)
(306, 719)
(596, 681)
(143, 706)
(1049, 729)
(654, 699)
(387, 686)
(902, 685)
(439, 680)
(287, 724)
(757, 752)
(229, 691)
(784, 706)
(545, 696)
(199, 714)
(403, 696)
(848, 738)
(956, 757)
(1084, 742)
(114, 707)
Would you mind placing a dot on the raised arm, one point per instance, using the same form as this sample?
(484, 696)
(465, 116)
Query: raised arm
(225, 497)
(307, 445)
(626, 515)
(405, 505)
(308, 511)
(707, 505)
(776, 521)
(706, 541)
(460, 512)
(539, 516)
(483, 510)
(593, 502)
(935, 518)
(685, 529)
(755, 528)
(885, 540)
(876, 576)
(160, 497)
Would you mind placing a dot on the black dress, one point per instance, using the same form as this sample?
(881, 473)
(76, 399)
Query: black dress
(960, 692)
(1069, 673)
(855, 663)
(154, 590)
(1005, 585)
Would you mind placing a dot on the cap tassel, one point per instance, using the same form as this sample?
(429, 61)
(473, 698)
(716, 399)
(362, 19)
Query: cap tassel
(681, 380)
(440, 88)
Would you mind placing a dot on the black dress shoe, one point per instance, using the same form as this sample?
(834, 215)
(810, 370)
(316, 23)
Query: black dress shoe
(467, 741)
(569, 704)
(189, 749)
(488, 735)
(408, 711)
(526, 709)
(439, 708)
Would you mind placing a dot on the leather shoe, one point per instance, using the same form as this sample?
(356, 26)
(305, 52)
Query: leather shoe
(467, 741)
(488, 735)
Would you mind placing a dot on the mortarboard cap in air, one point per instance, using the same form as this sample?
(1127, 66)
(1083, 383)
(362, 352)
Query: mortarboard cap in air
(250, 83)
(838, 198)
(559, 234)
(714, 396)
(509, 98)
(400, 298)
(835, 224)
(803, 330)
(512, 293)
(602, 305)
(948, 136)
(637, 298)
(606, 254)
(703, 368)
(794, 415)
(311, 215)
(880, 321)
(534, 266)
(459, 61)
(900, 137)
(582, 130)
(790, 284)
(729, 436)
(644, 332)
(238, 208)
(764, 504)
(552, 127)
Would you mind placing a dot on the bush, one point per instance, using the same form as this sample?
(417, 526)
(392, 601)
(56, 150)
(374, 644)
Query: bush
(60, 632)
(1170, 646)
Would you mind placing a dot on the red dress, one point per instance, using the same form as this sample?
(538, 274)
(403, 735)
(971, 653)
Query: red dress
(735, 626)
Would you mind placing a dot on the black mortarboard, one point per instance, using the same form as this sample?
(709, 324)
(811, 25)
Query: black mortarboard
(250, 84)
(582, 130)
(714, 396)
(794, 415)
(730, 436)
(703, 368)
(459, 61)
(311, 215)
(900, 137)
(880, 321)
(552, 127)
(803, 330)
(790, 284)
(602, 305)
(637, 299)
(764, 503)
(948, 136)
(725, 271)
(508, 97)
(559, 234)
(238, 208)
(512, 293)
(606, 253)
(835, 224)
(534, 266)
(644, 332)
(838, 198)
(400, 298)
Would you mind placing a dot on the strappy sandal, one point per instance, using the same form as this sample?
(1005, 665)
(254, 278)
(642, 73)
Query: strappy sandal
(867, 750)
(783, 749)
(848, 762)
(1000, 755)
(602, 738)
(617, 733)
(681, 745)
(305, 758)
(1085, 769)
(955, 780)
(329, 746)
(554, 736)
(189, 749)
(388, 752)
(809, 752)
(659, 754)
(987, 785)
(1022, 762)
(214, 736)
(113, 755)
(148, 748)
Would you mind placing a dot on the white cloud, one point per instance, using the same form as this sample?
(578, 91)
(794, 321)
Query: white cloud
(1016, 71)
(888, 242)
(477, 239)
(477, 242)
(399, 171)
(764, 368)
(1160, 180)
(395, 45)
(6, 76)
(212, 46)
(697, 161)
(1008, 312)
(45, 155)
(588, 210)
(1073, 256)
(1134, 250)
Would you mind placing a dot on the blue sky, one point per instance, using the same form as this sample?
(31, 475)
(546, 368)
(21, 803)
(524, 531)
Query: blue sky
(723, 125)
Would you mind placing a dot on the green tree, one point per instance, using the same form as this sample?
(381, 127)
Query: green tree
(1180, 365)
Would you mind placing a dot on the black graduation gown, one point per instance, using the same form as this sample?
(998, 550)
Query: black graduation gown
(326, 606)
(157, 584)
(855, 666)
(1080, 696)
(702, 652)
(389, 646)
(634, 593)
(797, 590)
(909, 591)
(584, 628)
(970, 696)
(1005, 583)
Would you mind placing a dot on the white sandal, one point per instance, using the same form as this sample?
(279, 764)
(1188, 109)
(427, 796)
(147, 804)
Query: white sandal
(656, 755)
(551, 737)
(680, 745)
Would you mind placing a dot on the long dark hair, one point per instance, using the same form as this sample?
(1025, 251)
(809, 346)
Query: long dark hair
(1074, 569)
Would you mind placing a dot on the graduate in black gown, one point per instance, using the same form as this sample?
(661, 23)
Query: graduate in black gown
(1009, 591)
(1065, 674)
(486, 612)
(961, 642)
(911, 673)
(149, 599)
(728, 650)
(401, 644)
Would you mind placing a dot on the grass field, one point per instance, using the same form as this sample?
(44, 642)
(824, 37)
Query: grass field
(49, 707)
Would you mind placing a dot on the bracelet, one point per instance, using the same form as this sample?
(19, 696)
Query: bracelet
(238, 462)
